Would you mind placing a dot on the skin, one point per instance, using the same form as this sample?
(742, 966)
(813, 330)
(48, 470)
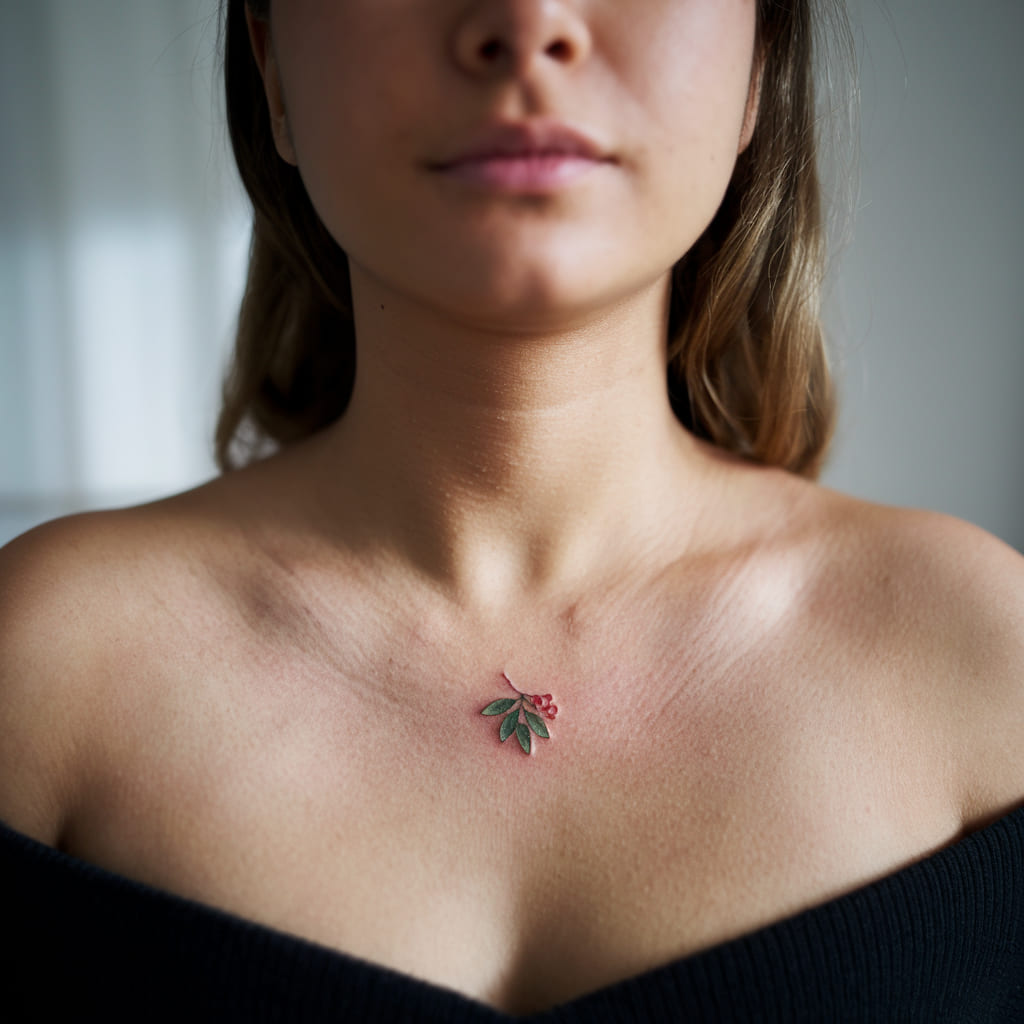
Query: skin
(265, 693)
(533, 325)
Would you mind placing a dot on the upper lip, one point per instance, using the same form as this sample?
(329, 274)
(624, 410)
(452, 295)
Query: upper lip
(526, 138)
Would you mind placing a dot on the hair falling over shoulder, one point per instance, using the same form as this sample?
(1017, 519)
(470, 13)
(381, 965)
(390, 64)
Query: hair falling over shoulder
(747, 366)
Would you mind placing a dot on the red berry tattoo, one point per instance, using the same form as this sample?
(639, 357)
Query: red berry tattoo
(517, 719)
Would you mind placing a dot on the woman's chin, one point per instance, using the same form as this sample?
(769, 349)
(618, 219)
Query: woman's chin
(529, 297)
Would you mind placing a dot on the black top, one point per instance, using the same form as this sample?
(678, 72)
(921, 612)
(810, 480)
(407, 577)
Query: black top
(941, 940)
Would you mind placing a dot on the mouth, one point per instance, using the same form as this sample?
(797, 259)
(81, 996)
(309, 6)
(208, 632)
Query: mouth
(526, 171)
(525, 156)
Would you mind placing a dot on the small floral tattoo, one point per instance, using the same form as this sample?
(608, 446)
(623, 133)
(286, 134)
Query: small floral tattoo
(518, 719)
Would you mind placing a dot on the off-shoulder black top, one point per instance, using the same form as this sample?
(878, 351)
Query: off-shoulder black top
(940, 940)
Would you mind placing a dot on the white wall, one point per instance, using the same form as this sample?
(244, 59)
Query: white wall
(928, 310)
(122, 244)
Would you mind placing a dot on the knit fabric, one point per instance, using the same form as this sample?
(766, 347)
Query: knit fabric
(941, 940)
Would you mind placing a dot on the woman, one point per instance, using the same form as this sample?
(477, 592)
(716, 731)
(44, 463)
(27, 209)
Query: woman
(522, 674)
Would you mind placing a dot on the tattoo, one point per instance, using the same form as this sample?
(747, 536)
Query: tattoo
(518, 719)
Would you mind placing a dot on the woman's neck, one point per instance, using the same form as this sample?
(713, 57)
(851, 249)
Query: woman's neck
(515, 463)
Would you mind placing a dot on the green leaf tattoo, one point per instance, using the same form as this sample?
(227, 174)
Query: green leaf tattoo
(523, 735)
(518, 719)
(508, 726)
(498, 707)
(536, 723)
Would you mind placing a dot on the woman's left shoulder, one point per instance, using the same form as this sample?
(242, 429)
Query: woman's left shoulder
(954, 595)
(967, 583)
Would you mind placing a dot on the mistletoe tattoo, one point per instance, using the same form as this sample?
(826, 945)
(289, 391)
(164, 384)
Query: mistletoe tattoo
(524, 723)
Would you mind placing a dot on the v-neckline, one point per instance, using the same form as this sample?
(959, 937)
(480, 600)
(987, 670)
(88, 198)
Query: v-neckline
(955, 855)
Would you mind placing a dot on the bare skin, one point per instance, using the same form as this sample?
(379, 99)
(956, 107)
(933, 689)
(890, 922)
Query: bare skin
(265, 694)
(210, 695)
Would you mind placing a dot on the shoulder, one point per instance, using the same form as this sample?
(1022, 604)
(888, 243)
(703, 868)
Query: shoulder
(949, 582)
(942, 603)
(87, 605)
(96, 575)
(54, 586)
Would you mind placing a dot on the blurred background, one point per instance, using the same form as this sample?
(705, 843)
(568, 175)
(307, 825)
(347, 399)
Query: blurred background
(123, 238)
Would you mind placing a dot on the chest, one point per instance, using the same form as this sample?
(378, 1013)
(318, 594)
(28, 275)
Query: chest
(654, 821)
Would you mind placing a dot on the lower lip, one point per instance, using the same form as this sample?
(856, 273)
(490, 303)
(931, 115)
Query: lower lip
(523, 173)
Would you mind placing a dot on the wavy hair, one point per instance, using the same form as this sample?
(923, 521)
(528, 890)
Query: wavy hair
(746, 361)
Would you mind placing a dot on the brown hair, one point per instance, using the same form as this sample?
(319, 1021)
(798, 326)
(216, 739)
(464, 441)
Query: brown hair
(746, 362)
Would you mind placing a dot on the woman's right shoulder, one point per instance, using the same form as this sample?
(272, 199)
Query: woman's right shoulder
(80, 599)
(71, 585)
(58, 588)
